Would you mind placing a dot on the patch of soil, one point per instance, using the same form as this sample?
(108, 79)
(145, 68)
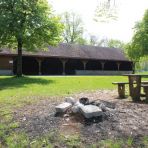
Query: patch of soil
(128, 119)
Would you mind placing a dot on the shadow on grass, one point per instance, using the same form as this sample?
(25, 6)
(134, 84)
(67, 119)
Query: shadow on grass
(15, 82)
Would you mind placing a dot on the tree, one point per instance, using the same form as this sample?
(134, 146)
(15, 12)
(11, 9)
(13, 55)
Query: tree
(112, 43)
(93, 40)
(73, 32)
(106, 11)
(105, 42)
(27, 24)
(139, 44)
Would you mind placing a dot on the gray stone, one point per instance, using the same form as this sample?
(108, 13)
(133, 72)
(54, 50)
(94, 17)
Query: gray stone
(90, 111)
(108, 104)
(103, 107)
(70, 100)
(76, 107)
(63, 107)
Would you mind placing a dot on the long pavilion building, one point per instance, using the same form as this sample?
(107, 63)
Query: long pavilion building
(67, 59)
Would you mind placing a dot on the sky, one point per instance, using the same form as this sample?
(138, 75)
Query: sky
(129, 12)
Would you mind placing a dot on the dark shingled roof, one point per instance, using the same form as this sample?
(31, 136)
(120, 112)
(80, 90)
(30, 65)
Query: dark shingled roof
(64, 50)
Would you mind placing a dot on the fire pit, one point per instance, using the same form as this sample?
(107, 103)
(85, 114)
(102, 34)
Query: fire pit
(93, 111)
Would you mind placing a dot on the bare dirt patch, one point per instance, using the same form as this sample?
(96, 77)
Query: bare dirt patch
(127, 120)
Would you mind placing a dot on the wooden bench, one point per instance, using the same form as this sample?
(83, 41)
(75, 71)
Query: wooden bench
(144, 82)
(145, 87)
(121, 87)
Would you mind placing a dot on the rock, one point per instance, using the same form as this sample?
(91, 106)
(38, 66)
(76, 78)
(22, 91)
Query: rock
(90, 111)
(63, 107)
(66, 115)
(95, 102)
(67, 119)
(24, 118)
(102, 107)
(76, 107)
(70, 100)
(108, 104)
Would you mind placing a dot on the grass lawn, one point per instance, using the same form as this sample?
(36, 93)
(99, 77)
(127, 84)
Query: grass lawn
(17, 92)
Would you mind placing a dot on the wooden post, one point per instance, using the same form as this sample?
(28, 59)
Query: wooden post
(102, 64)
(118, 65)
(63, 63)
(145, 88)
(135, 86)
(11, 62)
(146, 93)
(40, 64)
(121, 90)
(84, 64)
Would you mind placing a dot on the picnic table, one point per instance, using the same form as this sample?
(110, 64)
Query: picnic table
(135, 85)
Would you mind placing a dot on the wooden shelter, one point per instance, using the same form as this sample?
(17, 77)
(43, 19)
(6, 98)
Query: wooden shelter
(67, 59)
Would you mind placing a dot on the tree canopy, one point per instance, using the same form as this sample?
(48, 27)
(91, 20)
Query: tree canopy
(112, 43)
(139, 44)
(28, 24)
(73, 31)
(115, 44)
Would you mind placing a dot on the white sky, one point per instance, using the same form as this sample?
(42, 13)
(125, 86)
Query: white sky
(130, 11)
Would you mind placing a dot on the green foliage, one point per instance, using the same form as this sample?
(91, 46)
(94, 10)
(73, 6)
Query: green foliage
(73, 31)
(112, 43)
(32, 21)
(142, 64)
(114, 143)
(27, 24)
(129, 142)
(145, 141)
(72, 141)
(7, 134)
(139, 44)
(19, 140)
(132, 52)
(111, 144)
(115, 44)
(44, 141)
(54, 139)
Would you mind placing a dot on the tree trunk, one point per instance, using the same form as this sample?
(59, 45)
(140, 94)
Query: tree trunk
(19, 58)
(133, 67)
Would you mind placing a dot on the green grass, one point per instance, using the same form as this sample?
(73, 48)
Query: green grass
(15, 91)
(19, 91)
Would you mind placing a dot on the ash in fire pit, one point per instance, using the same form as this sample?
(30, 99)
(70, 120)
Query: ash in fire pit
(84, 101)
(93, 111)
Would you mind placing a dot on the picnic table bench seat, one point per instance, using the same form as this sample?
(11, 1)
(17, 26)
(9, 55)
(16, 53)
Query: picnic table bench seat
(144, 82)
(145, 87)
(121, 87)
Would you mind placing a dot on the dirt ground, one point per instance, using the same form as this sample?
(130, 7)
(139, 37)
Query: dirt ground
(128, 119)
